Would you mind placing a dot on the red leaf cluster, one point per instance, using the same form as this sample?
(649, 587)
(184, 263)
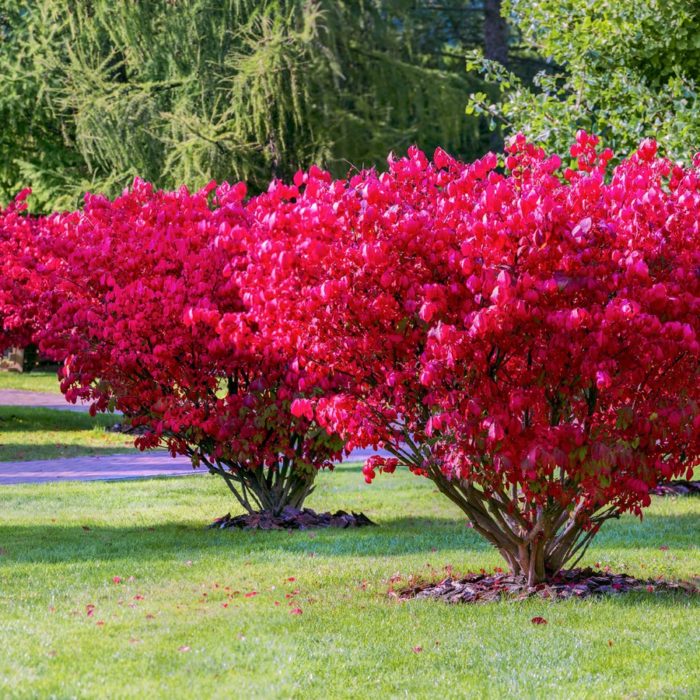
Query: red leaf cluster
(534, 331)
(529, 332)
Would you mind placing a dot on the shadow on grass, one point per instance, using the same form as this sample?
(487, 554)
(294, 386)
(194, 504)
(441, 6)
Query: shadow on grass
(170, 540)
(57, 543)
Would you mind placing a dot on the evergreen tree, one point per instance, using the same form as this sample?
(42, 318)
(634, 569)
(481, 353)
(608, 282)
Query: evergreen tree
(176, 91)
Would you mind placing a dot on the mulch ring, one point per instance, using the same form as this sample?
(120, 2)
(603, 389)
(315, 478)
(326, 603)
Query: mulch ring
(128, 429)
(292, 519)
(678, 487)
(576, 583)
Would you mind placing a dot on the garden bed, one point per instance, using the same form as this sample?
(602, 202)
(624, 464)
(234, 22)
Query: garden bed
(575, 583)
(292, 519)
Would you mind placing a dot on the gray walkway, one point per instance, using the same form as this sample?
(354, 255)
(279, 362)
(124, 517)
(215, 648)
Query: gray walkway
(139, 465)
(108, 467)
(20, 397)
(104, 468)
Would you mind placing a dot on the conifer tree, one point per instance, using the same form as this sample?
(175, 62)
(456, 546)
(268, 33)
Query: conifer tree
(189, 90)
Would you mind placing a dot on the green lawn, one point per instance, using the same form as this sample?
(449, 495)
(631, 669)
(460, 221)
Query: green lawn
(166, 633)
(45, 382)
(40, 433)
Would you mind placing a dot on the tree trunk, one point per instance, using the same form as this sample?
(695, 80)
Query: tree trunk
(495, 49)
(536, 543)
(266, 489)
(495, 32)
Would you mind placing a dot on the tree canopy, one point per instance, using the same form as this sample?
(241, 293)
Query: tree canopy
(624, 69)
(96, 93)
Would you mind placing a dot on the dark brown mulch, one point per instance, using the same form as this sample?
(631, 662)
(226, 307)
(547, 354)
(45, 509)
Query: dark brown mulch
(679, 487)
(127, 429)
(576, 583)
(292, 519)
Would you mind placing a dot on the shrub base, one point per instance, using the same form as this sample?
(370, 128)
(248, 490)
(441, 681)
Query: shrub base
(678, 487)
(575, 583)
(291, 519)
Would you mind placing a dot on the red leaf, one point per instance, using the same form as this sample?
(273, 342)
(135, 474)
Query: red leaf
(116, 579)
(538, 621)
(251, 594)
(417, 650)
(295, 611)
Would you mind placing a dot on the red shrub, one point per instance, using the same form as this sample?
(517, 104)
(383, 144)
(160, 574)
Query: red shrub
(150, 275)
(25, 273)
(528, 340)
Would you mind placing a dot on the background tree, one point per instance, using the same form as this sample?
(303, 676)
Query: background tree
(629, 70)
(97, 93)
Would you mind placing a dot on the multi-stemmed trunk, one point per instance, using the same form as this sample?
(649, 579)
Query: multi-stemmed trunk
(537, 543)
(266, 488)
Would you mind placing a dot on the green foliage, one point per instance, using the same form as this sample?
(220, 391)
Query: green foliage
(625, 69)
(188, 90)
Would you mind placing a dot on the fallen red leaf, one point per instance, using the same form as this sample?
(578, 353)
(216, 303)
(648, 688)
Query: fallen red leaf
(538, 621)
(116, 579)
(295, 611)
(291, 578)
(417, 650)
(251, 594)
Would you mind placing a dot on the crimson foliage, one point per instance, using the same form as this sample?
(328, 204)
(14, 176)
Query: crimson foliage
(528, 339)
(148, 276)
(25, 288)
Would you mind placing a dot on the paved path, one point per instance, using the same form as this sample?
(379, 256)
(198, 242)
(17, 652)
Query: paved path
(108, 467)
(138, 465)
(21, 397)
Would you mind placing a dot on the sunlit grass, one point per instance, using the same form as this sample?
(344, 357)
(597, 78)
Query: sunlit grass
(45, 382)
(63, 544)
(39, 433)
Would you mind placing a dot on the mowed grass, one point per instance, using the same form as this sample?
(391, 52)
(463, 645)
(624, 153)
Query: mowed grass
(44, 382)
(203, 613)
(40, 433)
